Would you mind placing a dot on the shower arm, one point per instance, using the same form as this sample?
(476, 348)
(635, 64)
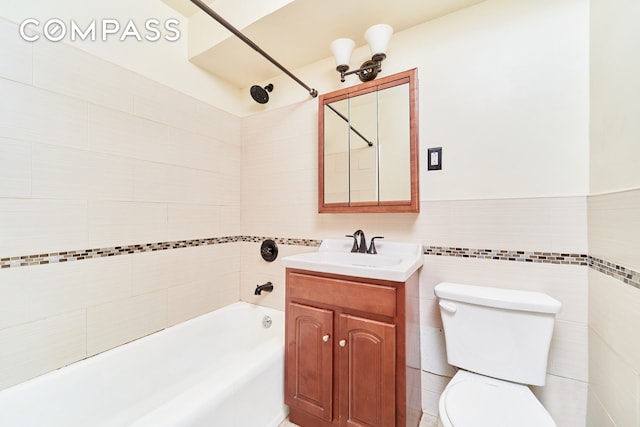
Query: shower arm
(369, 143)
(206, 9)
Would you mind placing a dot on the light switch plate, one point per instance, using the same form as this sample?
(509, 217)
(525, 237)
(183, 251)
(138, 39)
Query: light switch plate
(434, 158)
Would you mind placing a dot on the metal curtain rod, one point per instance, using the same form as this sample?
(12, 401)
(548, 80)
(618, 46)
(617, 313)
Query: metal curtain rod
(206, 9)
(369, 143)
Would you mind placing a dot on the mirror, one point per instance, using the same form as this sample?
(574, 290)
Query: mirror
(368, 147)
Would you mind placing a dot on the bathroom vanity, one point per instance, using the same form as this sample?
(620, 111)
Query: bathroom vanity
(351, 349)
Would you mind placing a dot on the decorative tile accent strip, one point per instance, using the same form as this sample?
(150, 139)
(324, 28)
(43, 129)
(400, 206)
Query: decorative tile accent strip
(283, 241)
(628, 276)
(510, 255)
(78, 255)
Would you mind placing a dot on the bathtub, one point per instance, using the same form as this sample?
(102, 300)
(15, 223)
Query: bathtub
(220, 369)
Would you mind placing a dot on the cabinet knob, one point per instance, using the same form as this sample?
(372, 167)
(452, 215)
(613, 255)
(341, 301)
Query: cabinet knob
(342, 343)
(325, 338)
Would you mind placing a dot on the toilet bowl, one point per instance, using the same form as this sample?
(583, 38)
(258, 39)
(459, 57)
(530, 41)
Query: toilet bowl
(473, 400)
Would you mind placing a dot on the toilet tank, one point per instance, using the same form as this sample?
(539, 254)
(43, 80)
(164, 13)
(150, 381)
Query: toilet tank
(500, 333)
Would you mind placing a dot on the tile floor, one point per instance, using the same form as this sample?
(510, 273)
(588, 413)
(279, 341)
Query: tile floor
(426, 421)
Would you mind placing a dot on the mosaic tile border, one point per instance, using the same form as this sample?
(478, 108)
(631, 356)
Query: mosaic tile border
(509, 255)
(626, 275)
(78, 255)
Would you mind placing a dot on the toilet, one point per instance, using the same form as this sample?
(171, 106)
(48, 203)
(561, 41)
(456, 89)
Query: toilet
(499, 339)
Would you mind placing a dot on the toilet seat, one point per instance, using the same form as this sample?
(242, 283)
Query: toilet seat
(478, 401)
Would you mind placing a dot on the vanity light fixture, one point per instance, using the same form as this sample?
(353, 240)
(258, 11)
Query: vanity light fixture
(378, 37)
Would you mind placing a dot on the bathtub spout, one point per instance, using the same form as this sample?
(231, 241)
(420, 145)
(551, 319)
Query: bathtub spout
(267, 287)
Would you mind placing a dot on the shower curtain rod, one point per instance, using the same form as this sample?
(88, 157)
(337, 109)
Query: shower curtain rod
(206, 9)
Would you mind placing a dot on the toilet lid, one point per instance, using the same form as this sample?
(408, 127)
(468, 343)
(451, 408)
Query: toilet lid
(479, 404)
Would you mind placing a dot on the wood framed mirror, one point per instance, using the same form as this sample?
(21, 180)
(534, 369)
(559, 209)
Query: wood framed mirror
(368, 147)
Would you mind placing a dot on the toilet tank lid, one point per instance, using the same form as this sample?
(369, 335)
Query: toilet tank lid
(511, 299)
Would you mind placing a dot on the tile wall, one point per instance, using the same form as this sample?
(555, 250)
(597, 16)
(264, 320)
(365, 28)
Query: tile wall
(537, 243)
(614, 213)
(614, 317)
(99, 169)
(139, 213)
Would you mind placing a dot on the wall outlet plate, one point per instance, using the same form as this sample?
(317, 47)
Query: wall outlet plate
(434, 158)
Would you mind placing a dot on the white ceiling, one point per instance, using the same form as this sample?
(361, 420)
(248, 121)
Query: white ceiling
(300, 32)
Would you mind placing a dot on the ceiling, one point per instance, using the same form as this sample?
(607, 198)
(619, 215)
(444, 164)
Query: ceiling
(297, 33)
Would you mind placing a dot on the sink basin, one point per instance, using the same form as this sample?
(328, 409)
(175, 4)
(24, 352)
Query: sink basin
(394, 261)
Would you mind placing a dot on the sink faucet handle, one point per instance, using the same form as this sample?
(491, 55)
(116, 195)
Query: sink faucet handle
(355, 242)
(372, 246)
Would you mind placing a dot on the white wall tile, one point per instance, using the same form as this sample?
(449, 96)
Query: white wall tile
(61, 173)
(226, 190)
(179, 267)
(101, 176)
(569, 347)
(614, 234)
(565, 399)
(187, 221)
(33, 114)
(32, 293)
(35, 348)
(269, 126)
(432, 388)
(156, 182)
(159, 103)
(153, 271)
(614, 315)
(228, 289)
(277, 188)
(16, 54)
(537, 224)
(30, 226)
(15, 168)
(197, 151)
(197, 263)
(229, 220)
(122, 134)
(119, 322)
(614, 382)
(597, 415)
(190, 300)
(64, 69)
(433, 354)
(124, 223)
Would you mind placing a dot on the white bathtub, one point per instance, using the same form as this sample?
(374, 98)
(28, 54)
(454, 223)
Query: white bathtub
(220, 369)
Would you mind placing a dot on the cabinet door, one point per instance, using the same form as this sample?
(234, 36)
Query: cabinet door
(367, 372)
(309, 367)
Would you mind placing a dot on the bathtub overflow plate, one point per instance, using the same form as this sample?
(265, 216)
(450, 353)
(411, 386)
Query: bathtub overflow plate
(266, 322)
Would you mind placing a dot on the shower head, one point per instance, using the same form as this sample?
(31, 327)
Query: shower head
(260, 94)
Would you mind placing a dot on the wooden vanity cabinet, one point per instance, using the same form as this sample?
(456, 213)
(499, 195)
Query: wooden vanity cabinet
(347, 345)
